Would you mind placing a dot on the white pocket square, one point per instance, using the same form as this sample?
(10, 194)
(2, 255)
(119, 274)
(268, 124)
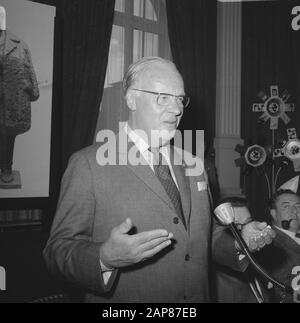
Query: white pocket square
(202, 186)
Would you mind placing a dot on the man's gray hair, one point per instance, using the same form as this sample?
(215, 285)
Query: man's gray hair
(140, 66)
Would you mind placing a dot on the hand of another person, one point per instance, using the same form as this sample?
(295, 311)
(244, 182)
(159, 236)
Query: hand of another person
(257, 235)
(122, 249)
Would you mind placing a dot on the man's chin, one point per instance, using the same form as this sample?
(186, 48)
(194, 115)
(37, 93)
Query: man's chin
(164, 136)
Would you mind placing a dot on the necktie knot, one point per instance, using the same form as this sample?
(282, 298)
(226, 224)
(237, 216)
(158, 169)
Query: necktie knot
(157, 157)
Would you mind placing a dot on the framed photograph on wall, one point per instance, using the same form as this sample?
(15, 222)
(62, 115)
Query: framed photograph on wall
(26, 102)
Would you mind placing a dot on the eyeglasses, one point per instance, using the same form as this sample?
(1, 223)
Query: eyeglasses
(165, 99)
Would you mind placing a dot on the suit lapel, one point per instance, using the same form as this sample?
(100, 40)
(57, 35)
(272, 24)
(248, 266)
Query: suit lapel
(143, 172)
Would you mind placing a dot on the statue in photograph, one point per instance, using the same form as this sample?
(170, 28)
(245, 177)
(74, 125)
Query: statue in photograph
(18, 88)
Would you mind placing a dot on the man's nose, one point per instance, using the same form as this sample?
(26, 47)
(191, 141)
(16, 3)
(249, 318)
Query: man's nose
(176, 107)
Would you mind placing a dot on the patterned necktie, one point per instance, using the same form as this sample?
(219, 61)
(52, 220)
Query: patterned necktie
(165, 177)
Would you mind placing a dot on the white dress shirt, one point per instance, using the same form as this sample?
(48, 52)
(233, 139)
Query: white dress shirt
(143, 148)
(290, 234)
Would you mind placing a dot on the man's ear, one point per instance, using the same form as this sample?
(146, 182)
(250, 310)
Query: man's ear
(273, 215)
(130, 100)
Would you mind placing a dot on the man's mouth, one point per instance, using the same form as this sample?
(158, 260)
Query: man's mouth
(287, 223)
(171, 122)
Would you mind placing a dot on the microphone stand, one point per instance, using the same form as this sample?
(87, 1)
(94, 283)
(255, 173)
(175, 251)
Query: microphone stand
(247, 253)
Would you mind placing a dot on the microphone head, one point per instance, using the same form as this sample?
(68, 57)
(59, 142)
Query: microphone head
(225, 213)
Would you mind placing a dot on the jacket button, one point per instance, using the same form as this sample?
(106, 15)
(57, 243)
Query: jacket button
(187, 257)
(175, 220)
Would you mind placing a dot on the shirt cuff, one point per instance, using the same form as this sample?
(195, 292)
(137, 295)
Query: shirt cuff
(243, 260)
(105, 272)
(105, 268)
(241, 256)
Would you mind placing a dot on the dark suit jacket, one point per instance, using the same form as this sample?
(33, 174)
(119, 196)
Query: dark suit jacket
(94, 199)
(279, 260)
(234, 286)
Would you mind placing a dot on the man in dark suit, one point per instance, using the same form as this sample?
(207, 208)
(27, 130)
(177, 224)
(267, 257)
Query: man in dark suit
(282, 258)
(232, 286)
(133, 221)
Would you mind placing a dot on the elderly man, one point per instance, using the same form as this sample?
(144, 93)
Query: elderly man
(282, 259)
(140, 231)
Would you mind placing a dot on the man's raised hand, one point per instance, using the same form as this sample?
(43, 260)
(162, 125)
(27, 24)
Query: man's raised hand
(122, 249)
(257, 235)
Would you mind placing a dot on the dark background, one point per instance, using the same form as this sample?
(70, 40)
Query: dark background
(270, 56)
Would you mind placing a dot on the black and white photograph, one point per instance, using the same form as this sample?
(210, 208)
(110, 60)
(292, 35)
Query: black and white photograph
(149, 154)
(27, 35)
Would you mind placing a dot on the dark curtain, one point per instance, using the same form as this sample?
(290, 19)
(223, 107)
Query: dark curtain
(270, 56)
(192, 33)
(87, 27)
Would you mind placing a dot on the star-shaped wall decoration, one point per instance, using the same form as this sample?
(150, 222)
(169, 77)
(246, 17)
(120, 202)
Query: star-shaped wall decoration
(274, 107)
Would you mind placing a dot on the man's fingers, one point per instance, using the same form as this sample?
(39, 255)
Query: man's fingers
(153, 243)
(261, 225)
(268, 239)
(271, 232)
(124, 227)
(150, 253)
(261, 242)
(257, 235)
(252, 244)
(146, 236)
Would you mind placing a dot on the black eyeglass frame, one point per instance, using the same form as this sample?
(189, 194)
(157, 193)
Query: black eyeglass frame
(166, 94)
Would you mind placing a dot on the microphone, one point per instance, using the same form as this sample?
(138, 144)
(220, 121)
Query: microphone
(225, 214)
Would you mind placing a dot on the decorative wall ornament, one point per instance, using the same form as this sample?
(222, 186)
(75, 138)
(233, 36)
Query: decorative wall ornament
(254, 156)
(290, 149)
(262, 157)
(274, 107)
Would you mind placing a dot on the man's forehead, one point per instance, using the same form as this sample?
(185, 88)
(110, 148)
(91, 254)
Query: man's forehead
(161, 71)
(288, 198)
(163, 80)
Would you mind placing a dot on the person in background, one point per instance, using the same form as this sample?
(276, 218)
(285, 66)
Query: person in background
(233, 286)
(282, 258)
